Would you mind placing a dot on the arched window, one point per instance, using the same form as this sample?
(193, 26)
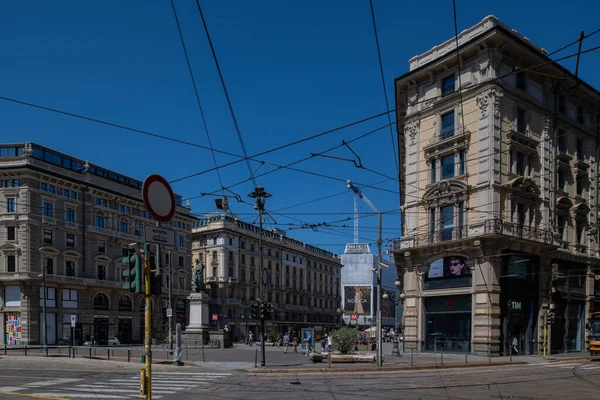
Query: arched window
(125, 303)
(101, 302)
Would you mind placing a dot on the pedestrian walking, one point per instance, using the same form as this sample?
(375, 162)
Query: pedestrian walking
(250, 339)
(286, 342)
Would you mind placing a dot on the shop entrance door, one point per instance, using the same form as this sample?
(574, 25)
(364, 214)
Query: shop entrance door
(450, 332)
(125, 330)
(101, 330)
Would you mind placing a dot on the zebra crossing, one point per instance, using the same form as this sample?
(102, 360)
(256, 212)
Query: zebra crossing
(126, 387)
(582, 366)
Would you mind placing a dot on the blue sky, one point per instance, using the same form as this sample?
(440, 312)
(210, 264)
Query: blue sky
(292, 68)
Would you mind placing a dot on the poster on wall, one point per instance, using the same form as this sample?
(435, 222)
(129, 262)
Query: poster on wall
(449, 267)
(13, 328)
(357, 300)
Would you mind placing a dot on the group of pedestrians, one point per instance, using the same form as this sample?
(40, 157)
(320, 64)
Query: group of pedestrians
(287, 341)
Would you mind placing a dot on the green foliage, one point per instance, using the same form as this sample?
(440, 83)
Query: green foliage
(343, 340)
(272, 335)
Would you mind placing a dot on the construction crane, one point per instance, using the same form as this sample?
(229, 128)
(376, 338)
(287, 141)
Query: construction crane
(358, 194)
(377, 270)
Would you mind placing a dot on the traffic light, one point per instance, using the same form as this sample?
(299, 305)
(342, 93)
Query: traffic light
(255, 310)
(268, 312)
(134, 272)
(550, 318)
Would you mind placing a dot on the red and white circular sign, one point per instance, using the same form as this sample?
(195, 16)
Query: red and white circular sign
(265, 277)
(158, 198)
(597, 277)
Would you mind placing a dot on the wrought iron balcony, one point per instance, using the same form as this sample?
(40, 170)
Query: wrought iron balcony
(488, 227)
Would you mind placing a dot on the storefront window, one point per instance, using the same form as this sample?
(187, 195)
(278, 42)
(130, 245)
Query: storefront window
(448, 324)
(448, 272)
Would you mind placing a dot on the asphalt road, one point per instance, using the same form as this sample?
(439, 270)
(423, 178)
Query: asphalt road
(43, 378)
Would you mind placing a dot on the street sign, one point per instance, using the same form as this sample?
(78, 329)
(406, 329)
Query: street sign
(215, 317)
(169, 312)
(597, 277)
(265, 277)
(353, 317)
(73, 321)
(515, 306)
(158, 235)
(158, 198)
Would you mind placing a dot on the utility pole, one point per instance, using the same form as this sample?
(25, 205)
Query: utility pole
(44, 295)
(259, 205)
(379, 292)
(148, 322)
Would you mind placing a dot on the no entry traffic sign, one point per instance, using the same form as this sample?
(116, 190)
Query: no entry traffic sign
(158, 198)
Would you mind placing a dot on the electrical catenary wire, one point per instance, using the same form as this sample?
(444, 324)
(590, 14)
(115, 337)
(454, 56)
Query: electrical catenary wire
(189, 66)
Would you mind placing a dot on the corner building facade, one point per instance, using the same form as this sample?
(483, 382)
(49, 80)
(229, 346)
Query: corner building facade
(76, 220)
(499, 196)
(303, 281)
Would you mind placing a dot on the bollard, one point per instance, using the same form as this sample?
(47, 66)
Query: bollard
(90, 353)
(128, 355)
(108, 354)
(412, 352)
(25, 351)
(329, 358)
(256, 358)
(4, 349)
(466, 354)
(442, 359)
(46, 351)
(203, 358)
(187, 358)
(177, 355)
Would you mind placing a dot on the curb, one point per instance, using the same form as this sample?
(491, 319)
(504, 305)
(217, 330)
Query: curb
(378, 369)
(555, 360)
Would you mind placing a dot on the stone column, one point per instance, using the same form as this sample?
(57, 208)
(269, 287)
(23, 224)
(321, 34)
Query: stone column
(589, 300)
(412, 334)
(486, 310)
(546, 270)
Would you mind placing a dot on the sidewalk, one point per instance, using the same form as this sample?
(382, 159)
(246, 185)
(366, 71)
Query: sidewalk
(248, 358)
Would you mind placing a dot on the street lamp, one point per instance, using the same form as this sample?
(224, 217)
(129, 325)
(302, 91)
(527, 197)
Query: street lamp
(397, 298)
(260, 195)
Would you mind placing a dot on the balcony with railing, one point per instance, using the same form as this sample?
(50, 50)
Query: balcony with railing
(488, 227)
(447, 137)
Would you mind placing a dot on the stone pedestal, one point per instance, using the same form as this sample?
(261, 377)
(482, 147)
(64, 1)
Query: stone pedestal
(198, 313)
(199, 330)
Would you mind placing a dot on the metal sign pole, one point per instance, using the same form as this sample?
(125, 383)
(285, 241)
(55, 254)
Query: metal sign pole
(148, 323)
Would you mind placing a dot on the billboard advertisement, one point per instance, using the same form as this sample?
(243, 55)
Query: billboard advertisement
(449, 267)
(357, 300)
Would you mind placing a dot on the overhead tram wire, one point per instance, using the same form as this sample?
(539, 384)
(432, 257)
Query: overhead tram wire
(288, 166)
(235, 122)
(159, 136)
(572, 43)
(187, 60)
(515, 70)
(387, 103)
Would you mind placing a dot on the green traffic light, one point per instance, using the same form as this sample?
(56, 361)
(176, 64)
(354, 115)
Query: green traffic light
(133, 273)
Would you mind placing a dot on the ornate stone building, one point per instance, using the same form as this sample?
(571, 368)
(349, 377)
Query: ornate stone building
(304, 281)
(75, 220)
(499, 196)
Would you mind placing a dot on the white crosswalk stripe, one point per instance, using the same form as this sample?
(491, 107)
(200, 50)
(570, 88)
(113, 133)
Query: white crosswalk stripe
(579, 365)
(163, 383)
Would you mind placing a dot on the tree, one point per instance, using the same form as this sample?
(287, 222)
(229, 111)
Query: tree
(343, 340)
